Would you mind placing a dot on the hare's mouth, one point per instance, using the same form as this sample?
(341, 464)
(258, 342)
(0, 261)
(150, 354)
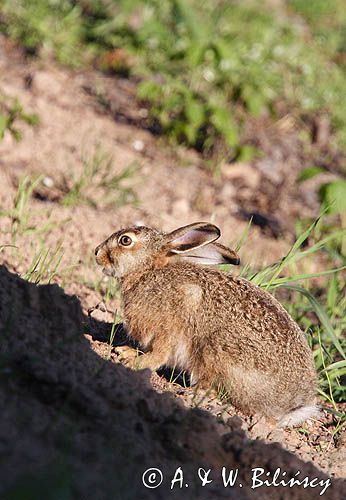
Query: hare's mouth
(108, 271)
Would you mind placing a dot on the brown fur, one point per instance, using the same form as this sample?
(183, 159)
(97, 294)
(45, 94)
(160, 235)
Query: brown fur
(223, 329)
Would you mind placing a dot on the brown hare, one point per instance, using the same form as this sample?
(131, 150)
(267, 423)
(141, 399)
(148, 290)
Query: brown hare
(224, 330)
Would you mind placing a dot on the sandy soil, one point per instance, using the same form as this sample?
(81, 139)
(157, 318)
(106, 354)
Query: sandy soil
(72, 414)
(75, 422)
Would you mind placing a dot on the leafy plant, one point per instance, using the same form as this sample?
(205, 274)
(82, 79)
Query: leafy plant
(203, 67)
(327, 20)
(42, 26)
(332, 196)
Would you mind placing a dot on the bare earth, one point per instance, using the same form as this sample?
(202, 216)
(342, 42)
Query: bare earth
(71, 414)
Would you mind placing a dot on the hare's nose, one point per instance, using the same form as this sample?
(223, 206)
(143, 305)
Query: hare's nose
(97, 249)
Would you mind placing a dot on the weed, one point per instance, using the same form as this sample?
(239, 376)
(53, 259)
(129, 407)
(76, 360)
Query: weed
(45, 27)
(112, 290)
(206, 66)
(97, 173)
(332, 197)
(119, 194)
(178, 377)
(222, 393)
(115, 326)
(44, 266)
(19, 214)
(11, 112)
(327, 20)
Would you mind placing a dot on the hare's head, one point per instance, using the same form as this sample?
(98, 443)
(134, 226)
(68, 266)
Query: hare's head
(136, 248)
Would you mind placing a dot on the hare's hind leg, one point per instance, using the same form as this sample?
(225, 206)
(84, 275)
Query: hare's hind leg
(251, 391)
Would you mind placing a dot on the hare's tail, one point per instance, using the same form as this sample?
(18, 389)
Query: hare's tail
(299, 415)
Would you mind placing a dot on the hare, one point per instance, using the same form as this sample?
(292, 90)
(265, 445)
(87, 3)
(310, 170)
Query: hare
(224, 330)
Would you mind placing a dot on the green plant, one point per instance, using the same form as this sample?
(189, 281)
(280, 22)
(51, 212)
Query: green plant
(19, 214)
(114, 329)
(97, 174)
(203, 67)
(11, 112)
(44, 266)
(46, 26)
(206, 66)
(332, 196)
(327, 20)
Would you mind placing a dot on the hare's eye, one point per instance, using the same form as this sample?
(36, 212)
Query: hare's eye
(125, 240)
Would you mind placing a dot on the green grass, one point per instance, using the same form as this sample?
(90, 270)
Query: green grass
(203, 68)
(12, 112)
(44, 266)
(97, 175)
(46, 26)
(327, 20)
(20, 214)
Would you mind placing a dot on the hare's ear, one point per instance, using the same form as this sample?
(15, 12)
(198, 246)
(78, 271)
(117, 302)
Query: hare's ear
(190, 237)
(212, 254)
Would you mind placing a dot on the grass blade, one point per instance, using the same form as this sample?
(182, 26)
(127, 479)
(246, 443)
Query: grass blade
(321, 313)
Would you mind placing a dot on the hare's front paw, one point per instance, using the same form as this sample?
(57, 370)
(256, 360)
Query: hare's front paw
(127, 355)
(131, 358)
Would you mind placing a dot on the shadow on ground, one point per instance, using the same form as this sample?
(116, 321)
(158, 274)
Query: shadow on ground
(74, 425)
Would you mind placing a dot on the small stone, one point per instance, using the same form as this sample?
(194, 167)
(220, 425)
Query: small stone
(138, 145)
(48, 182)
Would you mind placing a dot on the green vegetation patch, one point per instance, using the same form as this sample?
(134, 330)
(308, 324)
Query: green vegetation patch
(204, 67)
(12, 112)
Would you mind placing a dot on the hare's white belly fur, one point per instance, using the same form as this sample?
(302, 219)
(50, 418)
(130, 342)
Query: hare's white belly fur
(179, 357)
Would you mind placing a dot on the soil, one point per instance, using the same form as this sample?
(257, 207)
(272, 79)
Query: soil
(73, 419)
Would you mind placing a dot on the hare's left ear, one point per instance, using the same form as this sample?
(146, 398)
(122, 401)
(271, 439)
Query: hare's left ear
(190, 237)
(212, 254)
(196, 243)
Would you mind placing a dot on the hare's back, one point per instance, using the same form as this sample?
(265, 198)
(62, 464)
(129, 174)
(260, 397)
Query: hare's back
(251, 307)
(221, 301)
(230, 303)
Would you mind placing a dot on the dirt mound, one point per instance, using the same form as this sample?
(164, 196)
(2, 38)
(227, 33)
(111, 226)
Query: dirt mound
(74, 423)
